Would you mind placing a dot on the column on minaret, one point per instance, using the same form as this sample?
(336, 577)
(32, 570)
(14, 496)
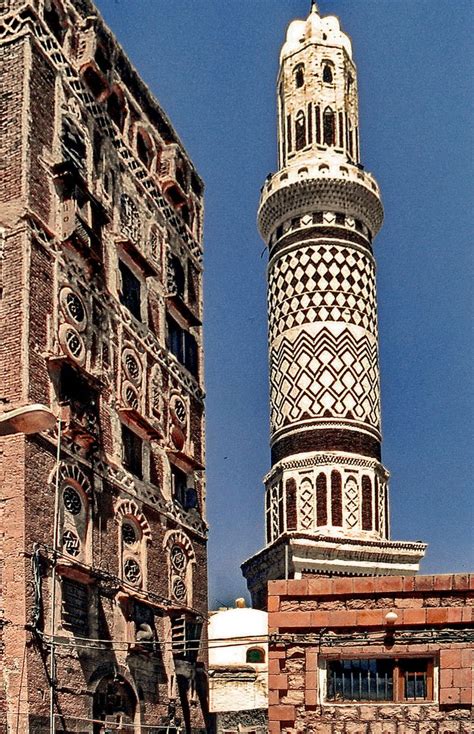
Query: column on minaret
(326, 494)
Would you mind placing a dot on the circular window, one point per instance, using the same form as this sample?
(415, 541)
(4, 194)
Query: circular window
(179, 590)
(72, 500)
(73, 308)
(132, 366)
(72, 342)
(129, 533)
(178, 408)
(132, 571)
(71, 543)
(178, 558)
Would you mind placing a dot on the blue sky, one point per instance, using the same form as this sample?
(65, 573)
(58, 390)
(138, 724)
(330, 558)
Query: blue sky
(212, 64)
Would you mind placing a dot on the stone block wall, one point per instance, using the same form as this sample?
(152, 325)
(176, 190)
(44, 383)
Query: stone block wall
(316, 620)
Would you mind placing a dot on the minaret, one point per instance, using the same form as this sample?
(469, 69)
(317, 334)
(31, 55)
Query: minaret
(326, 504)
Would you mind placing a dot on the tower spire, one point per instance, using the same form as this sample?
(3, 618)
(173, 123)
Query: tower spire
(314, 7)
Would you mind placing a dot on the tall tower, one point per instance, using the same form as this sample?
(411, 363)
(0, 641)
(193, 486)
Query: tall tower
(326, 502)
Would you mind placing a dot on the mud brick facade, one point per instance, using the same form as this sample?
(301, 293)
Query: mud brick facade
(102, 519)
(413, 625)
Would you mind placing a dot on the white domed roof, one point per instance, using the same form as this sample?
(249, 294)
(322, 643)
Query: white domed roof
(240, 622)
(314, 30)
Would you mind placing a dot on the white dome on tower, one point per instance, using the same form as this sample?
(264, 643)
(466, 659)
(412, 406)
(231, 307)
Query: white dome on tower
(314, 30)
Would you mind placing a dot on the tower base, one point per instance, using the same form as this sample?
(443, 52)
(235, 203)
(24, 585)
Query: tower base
(294, 555)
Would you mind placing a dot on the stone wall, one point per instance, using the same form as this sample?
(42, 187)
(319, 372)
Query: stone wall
(315, 620)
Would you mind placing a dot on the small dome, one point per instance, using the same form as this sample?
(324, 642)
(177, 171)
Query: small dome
(239, 622)
(314, 30)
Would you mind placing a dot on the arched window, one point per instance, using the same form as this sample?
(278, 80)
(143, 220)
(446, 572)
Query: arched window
(144, 148)
(255, 656)
(116, 108)
(336, 499)
(74, 532)
(300, 130)
(134, 534)
(329, 127)
(181, 562)
(94, 81)
(366, 503)
(299, 76)
(327, 74)
(321, 500)
(114, 701)
(317, 114)
(54, 17)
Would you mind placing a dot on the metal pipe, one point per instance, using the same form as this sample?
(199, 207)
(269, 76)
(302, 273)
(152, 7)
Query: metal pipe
(52, 661)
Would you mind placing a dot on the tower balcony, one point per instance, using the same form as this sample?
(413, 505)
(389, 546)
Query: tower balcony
(309, 186)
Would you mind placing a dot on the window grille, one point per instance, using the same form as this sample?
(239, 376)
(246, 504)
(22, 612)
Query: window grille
(380, 679)
(75, 607)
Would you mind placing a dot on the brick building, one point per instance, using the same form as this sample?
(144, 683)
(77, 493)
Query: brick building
(371, 655)
(103, 531)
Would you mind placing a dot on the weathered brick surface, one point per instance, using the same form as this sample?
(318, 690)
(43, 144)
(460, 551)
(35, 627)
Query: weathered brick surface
(67, 227)
(357, 607)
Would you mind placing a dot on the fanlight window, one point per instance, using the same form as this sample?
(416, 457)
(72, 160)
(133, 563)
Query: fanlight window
(327, 74)
(299, 76)
(255, 655)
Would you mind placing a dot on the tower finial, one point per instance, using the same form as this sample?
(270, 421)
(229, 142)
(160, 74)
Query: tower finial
(314, 7)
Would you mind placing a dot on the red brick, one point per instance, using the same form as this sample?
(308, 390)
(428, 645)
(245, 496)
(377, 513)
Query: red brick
(466, 696)
(451, 658)
(408, 583)
(282, 713)
(297, 587)
(274, 666)
(277, 588)
(449, 695)
(319, 619)
(274, 727)
(273, 604)
(436, 615)
(319, 587)
(370, 618)
(364, 585)
(466, 657)
(342, 586)
(388, 583)
(462, 678)
(311, 697)
(461, 581)
(343, 618)
(454, 615)
(278, 682)
(424, 583)
(446, 678)
(285, 620)
(467, 614)
(443, 582)
(414, 616)
(311, 660)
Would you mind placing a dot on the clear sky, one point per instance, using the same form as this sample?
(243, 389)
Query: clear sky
(212, 64)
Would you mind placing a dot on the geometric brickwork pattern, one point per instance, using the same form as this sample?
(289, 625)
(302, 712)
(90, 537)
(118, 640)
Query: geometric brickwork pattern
(324, 371)
(323, 283)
